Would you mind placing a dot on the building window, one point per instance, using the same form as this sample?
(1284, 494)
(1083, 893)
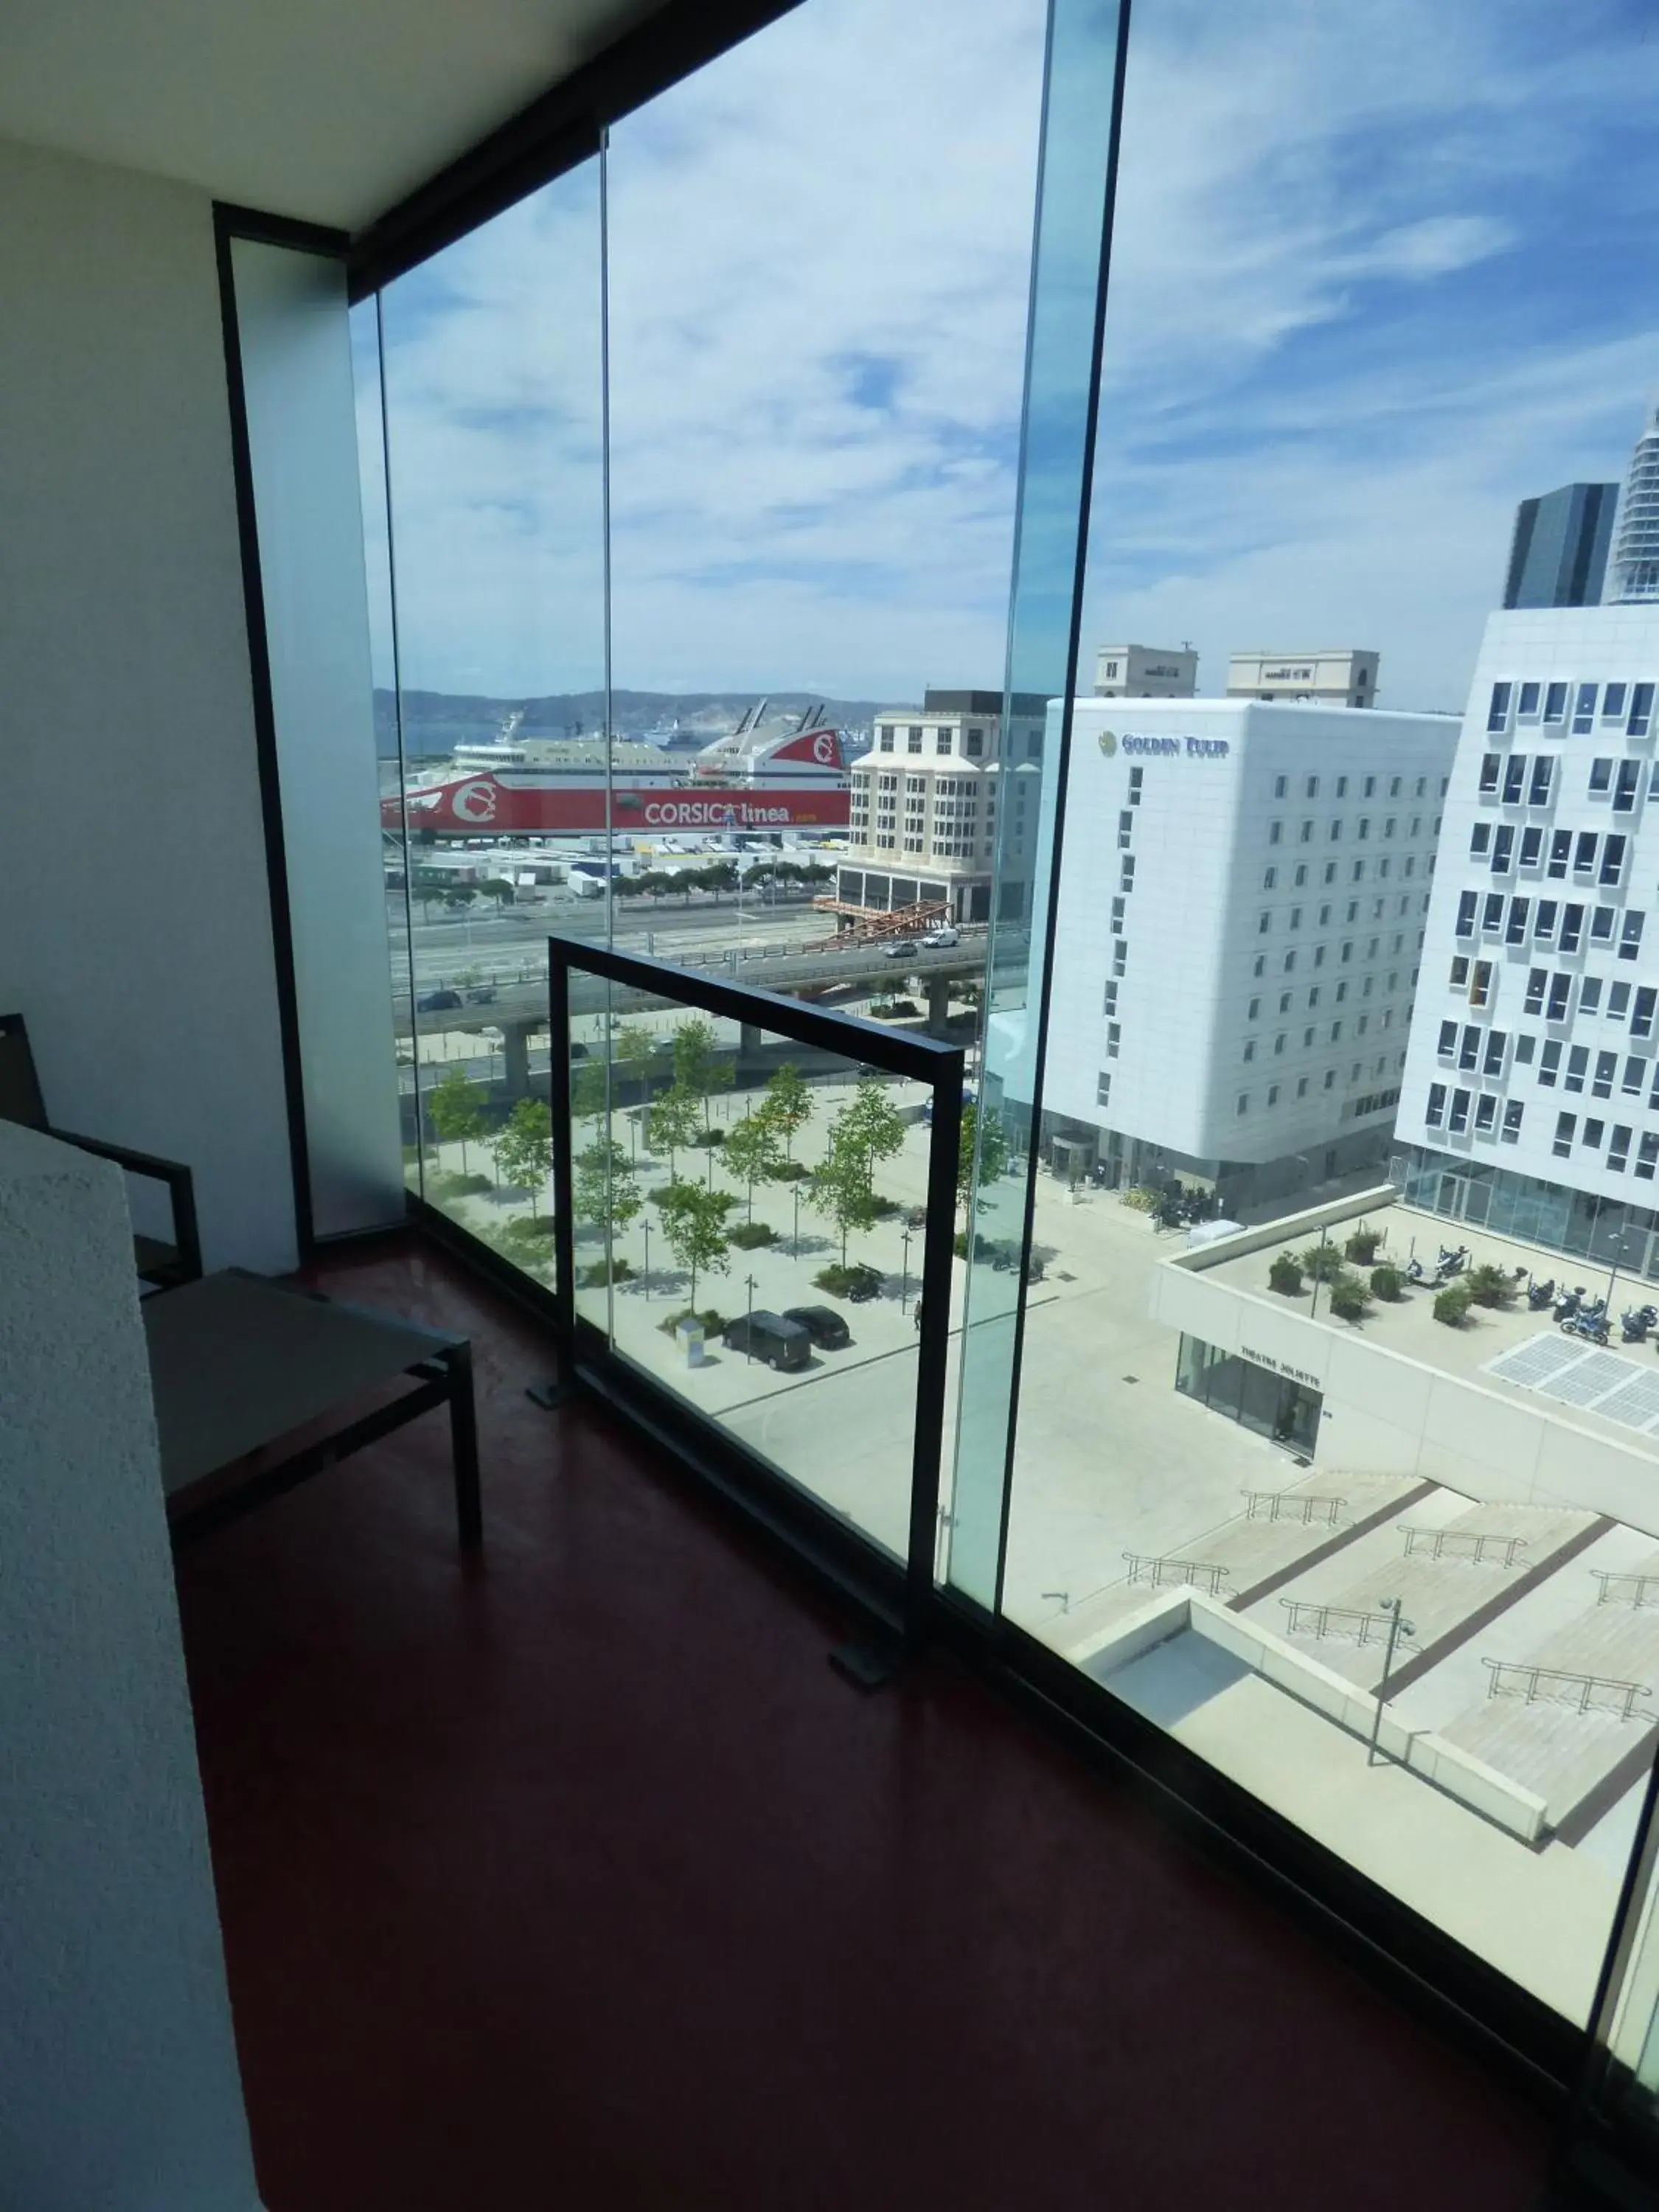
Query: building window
(1244, 1104)
(913, 743)
(1641, 710)
(886, 741)
(1641, 1020)
(1560, 993)
(1269, 878)
(1572, 927)
(1555, 703)
(1302, 1086)
(1537, 982)
(1607, 1066)
(1584, 710)
(1113, 1038)
(1278, 787)
(1493, 1063)
(1601, 776)
(1561, 851)
(1532, 846)
(1613, 859)
(975, 742)
(1629, 944)
(1434, 1114)
(1647, 1158)
(1515, 930)
(1305, 833)
(1624, 790)
(1549, 1063)
(1264, 923)
(1512, 1113)
(1543, 928)
(1486, 1114)
(942, 741)
(1498, 713)
(1564, 1126)
(1103, 1089)
(1491, 768)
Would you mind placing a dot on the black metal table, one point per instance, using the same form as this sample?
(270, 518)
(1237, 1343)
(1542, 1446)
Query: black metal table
(239, 1364)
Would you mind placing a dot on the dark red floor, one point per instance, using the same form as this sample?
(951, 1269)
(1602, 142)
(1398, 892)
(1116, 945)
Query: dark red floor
(586, 1882)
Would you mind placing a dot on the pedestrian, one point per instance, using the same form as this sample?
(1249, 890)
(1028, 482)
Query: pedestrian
(916, 1316)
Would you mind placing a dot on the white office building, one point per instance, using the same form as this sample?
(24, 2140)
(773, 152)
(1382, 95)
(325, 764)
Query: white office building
(1531, 1099)
(1146, 672)
(1331, 675)
(1243, 899)
(1633, 571)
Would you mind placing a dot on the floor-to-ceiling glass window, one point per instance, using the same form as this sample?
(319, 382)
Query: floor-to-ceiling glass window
(1348, 1484)
(481, 403)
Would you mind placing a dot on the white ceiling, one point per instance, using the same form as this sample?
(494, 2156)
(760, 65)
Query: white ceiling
(327, 110)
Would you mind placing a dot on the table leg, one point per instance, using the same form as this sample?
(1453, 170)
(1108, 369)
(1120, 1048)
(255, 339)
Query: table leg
(464, 1443)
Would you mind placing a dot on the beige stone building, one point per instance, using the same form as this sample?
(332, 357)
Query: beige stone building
(925, 803)
(1331, 675)
(1146, 672)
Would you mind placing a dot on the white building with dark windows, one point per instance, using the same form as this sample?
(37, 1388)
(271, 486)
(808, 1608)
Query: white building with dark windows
(1531, 1100)
(1243, 899)
(1634, 574)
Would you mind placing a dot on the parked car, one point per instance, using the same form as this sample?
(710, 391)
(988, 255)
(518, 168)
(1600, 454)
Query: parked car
(481, 995)
(942, 938)
(901, 948)
(437, 1002)
(782, 1344)
(822, 1324)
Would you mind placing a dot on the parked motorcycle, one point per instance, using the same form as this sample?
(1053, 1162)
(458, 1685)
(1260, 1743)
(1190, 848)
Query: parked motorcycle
(1635, 1324)
(1454, 1258)
(1568, 1303)
(1540, 1295)
(1589, 1323)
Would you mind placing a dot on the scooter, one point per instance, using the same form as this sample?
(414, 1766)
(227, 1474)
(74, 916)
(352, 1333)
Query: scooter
(1569, 1303)
(1540, 1295)
(1589, 1323)
(1635, 1322)
(1454, 1258)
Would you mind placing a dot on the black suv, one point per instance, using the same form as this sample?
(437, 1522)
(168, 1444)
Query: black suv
(781, 1344)
(822, 1324)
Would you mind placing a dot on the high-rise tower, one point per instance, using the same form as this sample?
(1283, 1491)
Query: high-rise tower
(1635, 574)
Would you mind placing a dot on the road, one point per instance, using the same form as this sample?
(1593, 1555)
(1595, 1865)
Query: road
(518, 939)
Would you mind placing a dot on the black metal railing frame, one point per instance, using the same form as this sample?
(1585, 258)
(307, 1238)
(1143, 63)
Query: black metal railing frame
(941, 1066)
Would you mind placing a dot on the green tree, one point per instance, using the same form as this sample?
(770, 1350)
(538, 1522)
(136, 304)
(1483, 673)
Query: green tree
(751, 1153)
(993, 1155)
(699, 1069)
(605, 1191)
(841, 1184)
(499, 888)
(456, 1110)
(671, 1122)
(870, 1124)
(459, 895)
(787, 1103)
(694, 1222)
(524, 1147)
(590, 1094)
(635, 1052)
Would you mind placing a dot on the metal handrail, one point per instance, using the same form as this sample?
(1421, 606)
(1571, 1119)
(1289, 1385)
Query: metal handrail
(923, 1059)
(1178, 1570)
(1586, 1685)
(1321, 1616)
(1644, 1584)
(1278, 1503)
(1439, 1539)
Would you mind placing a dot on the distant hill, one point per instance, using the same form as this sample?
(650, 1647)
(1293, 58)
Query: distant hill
(435, 722)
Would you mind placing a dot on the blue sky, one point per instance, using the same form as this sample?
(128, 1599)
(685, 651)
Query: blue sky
(1379, 271)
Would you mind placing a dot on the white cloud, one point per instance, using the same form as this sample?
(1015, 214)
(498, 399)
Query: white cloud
(818, 268)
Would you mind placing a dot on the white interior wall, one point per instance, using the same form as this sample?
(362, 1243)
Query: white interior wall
(118, 2084)
(135, 920)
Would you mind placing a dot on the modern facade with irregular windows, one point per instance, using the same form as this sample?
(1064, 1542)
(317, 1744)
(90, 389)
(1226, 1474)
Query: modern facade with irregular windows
(1531, 1098)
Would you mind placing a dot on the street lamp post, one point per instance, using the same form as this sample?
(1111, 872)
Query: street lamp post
(796, 1253)
(904, 1279)
(749, 1310)
(646, 1284)
(1397, 1628)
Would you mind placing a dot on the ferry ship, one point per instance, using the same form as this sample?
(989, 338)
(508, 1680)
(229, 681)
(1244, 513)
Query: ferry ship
(755, 778)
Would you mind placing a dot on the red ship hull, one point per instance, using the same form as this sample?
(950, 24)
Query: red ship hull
(489, 806)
